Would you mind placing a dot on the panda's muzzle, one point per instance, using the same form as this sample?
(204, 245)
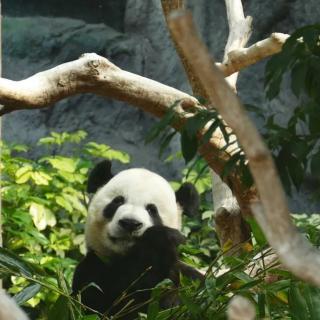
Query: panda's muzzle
(130, 225)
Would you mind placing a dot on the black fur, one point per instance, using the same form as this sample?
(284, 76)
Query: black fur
(112, 207)
(157, 248)
(154, 214)
(188, 198)
(99, 176)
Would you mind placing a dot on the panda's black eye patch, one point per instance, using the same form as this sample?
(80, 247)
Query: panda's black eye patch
(118, 200)
(112, 207)
(154, 214)
(152, 209)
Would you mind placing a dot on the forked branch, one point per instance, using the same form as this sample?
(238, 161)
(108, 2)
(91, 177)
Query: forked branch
(274, 218)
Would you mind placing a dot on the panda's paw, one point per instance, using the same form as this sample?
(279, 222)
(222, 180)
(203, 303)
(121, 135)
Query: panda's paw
(159, 246)
(161, 239)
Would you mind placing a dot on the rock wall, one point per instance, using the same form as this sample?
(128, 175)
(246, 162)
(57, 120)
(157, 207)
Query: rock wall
(38, 35)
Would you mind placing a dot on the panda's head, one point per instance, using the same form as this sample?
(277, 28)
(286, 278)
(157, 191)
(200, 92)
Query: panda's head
(125, 205)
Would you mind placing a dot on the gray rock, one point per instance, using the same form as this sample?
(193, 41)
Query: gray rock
(38, 35)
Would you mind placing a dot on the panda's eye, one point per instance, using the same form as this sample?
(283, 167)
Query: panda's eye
(152, 209)
(119, 200)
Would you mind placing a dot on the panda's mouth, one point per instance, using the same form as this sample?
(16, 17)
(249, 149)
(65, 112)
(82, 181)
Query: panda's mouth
(126, 238)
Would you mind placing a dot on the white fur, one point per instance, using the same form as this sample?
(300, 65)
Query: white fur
(9, 310)
(139, 187)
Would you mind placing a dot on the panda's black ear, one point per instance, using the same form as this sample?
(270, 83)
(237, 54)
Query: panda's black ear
(188, 198)
(99, 176)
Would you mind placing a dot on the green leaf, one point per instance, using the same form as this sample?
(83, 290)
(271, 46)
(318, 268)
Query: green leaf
(166, 120)
(262, 305)
(281, 161)
(90, 317)
(212, 128)
(14, 263)
(63, 163)
(296, 171)
(105, 151)
(257, 232)
(64, 203)
(297, 303)
(246, 176)
(298, 77)
(41, 178)
(273, 76)
(46, 140)
(312, 296)
(20, 148)
(23, 174)
(27, 293)
(211, 287)
(231, 164)
(196, 123)
(60, 310)
(41, 216)
(123, 157)
(189, 146)
(165, 140)
(315, 165)
(300, 148)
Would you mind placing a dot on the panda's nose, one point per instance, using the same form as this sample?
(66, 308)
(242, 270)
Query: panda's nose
(130, 224)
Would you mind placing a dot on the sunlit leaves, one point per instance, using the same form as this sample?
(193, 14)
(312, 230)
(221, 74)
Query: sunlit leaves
(63, 163)
(42, 216)
(44, 208)
(23, 174)
(27, 172)
(64, 137)
(105, 151)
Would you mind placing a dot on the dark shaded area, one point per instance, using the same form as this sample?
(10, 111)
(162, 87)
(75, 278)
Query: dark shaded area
(156, 248)
(110, 12)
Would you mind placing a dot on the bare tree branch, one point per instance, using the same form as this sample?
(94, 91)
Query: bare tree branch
(239, 32)
(230, 225)
(169, 6)
(238, 59)
(274, 219)
(94, 74)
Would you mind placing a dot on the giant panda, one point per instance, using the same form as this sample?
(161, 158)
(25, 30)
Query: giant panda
(132, 234)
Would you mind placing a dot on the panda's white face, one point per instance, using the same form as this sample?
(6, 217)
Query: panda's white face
(125, 207)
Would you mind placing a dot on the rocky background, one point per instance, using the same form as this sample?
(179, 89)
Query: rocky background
(38, 35)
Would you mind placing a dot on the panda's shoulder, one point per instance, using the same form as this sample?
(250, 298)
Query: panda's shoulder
(89, 269)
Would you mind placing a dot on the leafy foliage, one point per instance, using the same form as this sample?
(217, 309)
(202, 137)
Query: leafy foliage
(295, 146)
(193, 136)
(44, 207)
(43, 220)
